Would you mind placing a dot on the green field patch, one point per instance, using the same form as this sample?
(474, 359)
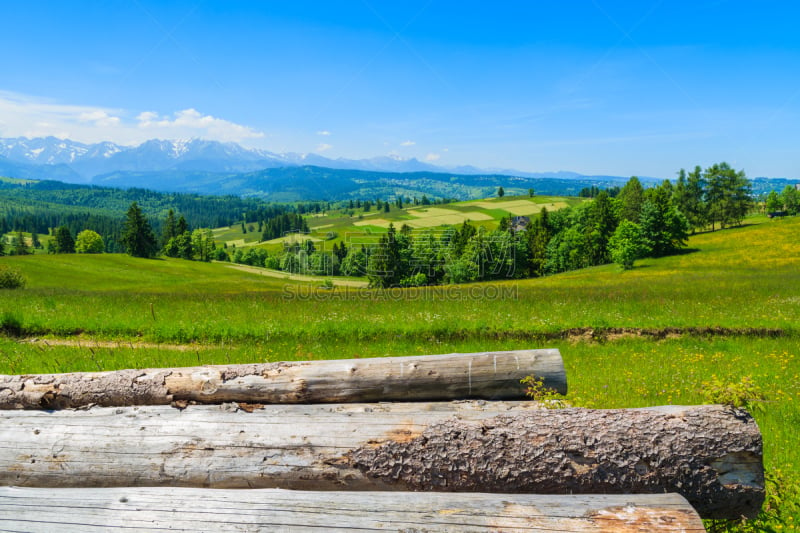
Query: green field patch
(378, 222)
(532, 209)
(291, 238)
(430, 212)
(451, 219)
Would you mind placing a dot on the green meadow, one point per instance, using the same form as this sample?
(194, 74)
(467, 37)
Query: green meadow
(668, 331)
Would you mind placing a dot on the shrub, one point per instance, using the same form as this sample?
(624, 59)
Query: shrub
(11, 324)
(11, 278)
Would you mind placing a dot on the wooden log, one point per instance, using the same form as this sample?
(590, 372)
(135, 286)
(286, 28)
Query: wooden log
(148, 509)
(488, 375)
(709, 454)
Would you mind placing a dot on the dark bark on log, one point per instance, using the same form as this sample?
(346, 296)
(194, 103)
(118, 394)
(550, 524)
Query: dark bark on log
(147, 509)
(710, 454)
(490, 375)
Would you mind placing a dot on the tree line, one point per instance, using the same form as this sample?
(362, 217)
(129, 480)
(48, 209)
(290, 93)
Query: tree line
(633, 224)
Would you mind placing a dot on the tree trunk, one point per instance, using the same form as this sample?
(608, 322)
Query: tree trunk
(709, 454)
(489, 375)
(147, 509)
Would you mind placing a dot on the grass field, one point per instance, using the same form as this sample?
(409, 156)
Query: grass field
(729, 307)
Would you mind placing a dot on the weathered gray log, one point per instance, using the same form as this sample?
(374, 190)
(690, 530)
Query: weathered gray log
(709, 454)
(147, 509)
(488, 375)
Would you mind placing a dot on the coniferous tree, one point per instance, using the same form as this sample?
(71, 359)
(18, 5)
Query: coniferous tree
(137, 237)
(537, 236)
(20, 246)
(65, 244)
(181, 226)
(170, 228)
(664, 229)
(727, 196)
(695, 208)
(601, 224)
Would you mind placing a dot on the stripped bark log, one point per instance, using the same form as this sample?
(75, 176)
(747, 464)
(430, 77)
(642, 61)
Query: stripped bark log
(147, 509)
(488, 375)
(709, 454)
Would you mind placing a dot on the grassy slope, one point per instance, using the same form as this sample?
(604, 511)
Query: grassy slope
(736, 291)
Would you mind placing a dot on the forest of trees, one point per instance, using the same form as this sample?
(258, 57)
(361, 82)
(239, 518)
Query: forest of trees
(41, 207)
(635, 223)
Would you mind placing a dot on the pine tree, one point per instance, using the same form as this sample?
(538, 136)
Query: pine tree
(170, 228)
(181, 227)
(65, 244)
(537, 236)
(137, 237)
(20, 246)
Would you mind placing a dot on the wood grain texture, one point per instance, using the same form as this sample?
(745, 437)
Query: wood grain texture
(147, 509)
(487, 375)
(710, 454)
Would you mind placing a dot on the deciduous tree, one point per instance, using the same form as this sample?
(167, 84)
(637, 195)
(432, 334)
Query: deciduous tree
(630, 200)
(89, 242)
(627, 245)
(791, 199)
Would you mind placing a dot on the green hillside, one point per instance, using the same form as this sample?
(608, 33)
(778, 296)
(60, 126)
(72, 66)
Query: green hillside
(727, 309)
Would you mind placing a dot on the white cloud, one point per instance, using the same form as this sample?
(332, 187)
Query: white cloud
(192, 123)
(407, 143)
(27, 116)
(432, 157)
(323, 147)
(324, 133)
(99, 118)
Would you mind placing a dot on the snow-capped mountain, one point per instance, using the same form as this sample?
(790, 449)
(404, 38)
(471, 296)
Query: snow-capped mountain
(90, 160)
(47, 151)
(166, 161)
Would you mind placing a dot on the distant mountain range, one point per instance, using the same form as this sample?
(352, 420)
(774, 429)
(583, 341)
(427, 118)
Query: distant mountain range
(211, 167)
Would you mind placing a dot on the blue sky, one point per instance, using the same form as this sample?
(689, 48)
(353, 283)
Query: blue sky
(597, 86)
